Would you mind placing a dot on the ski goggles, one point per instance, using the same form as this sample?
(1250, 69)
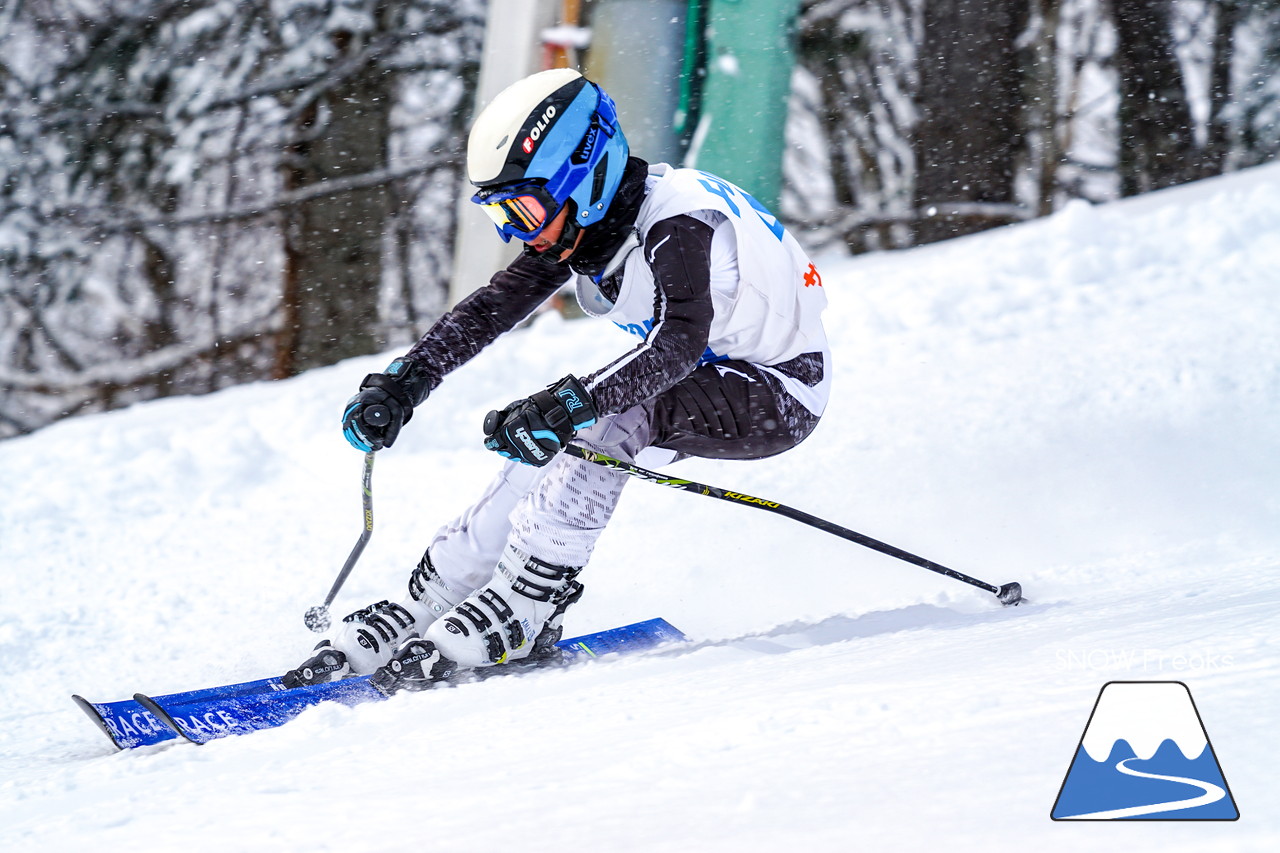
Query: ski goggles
(519, 210)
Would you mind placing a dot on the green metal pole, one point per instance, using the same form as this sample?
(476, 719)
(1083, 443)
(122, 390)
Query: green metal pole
(742, 127)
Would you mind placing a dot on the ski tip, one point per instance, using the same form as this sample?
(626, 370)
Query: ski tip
(157, 710)
(92, 713)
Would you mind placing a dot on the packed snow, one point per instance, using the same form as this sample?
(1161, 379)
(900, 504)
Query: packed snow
(1087, 404)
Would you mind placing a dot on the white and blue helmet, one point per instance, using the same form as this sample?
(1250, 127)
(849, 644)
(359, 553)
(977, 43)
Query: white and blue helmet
(550, 140)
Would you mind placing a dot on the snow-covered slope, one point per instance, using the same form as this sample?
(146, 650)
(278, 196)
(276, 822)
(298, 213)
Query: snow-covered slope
(1088, 404)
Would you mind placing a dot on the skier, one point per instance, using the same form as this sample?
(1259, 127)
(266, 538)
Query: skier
(733, 364)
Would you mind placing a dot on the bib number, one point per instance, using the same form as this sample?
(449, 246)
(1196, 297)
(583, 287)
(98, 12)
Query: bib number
(732, 195)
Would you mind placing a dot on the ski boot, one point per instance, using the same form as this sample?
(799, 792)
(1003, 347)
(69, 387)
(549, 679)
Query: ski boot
(516, 616)
(365, 639)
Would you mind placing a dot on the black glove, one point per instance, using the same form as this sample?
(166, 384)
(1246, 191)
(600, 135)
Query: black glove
(536, 428)
(373, 417)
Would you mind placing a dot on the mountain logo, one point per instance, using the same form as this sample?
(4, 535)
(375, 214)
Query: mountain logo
(1144, 755)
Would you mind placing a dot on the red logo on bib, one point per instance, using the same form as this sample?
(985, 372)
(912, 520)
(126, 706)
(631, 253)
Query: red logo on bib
(811, 277)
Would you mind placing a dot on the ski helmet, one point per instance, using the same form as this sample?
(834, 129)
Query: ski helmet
(550, 140)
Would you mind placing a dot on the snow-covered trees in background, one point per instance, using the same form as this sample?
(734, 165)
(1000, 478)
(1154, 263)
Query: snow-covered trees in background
(850, 166)
(934, 118)
(1158, 146)
(194, 193)
(968, 138)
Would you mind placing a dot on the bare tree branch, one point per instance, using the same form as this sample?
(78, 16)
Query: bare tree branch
(124, 374)
(100, 223)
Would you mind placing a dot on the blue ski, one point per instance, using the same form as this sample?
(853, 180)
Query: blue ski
(233, 709)
(129, 725)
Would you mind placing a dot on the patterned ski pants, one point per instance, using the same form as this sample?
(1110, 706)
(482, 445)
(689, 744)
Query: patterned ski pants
(727, 410)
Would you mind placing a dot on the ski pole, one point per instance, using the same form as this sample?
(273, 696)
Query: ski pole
(1009, 594)
(317, 618)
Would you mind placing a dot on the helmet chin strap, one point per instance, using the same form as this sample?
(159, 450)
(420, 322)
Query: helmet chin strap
(570, 237)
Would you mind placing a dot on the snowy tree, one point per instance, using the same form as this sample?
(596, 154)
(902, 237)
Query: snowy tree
(970, 135)
(198, 192)
(936, 117)
(855, 95)
(1157, 134)
(1243, 97)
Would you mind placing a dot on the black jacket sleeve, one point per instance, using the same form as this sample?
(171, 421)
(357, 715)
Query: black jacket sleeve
(479, 319)
(678, 250)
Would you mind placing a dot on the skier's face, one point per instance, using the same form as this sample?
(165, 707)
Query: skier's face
(552, 233)
(548, 236)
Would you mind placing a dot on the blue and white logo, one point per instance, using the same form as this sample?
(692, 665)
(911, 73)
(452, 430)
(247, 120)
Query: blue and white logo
(1145, 755)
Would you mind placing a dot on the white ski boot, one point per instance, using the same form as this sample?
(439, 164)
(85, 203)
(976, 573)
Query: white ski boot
(516, 615)
(368, 638)
(512, 622)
